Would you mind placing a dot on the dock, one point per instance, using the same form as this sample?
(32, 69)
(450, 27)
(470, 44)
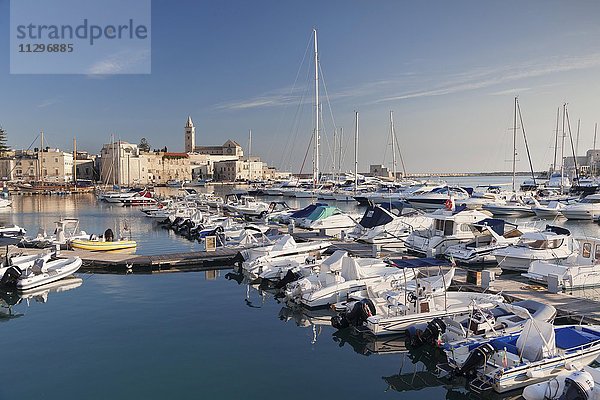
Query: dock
(517, 288)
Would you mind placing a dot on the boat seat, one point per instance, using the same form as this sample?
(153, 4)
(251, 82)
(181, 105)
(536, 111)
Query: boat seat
(567, 338)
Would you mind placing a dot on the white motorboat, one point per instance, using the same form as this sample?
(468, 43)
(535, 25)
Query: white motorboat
(551, 210)
(552, 244)
(580, 270)
(22, 261)
(396, 313)
(389, 223)
(286, 246)
(541, 351)
(572, 383)
(516, 207)
(587, 208)
(449, 228)
(454, 333)
(437, 198)
(340, 275)
(41, 272)
(66, 229)
(327, 217)
(490, 235)
(11, 234)
(248, 206)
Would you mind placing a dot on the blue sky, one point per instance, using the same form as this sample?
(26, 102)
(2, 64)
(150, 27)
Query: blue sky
(448, 70)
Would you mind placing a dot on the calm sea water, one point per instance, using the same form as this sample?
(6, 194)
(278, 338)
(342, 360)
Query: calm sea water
(187, 335)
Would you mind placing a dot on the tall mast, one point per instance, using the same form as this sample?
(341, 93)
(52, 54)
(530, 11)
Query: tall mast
(526, 144)
(356, 151)
(392, 133)
(334, 152)
(514, 146)
(340, 150)
(577, 140)
(562, 151)
(316, 156)
(41, 154)
(556, 139)
(594, 157)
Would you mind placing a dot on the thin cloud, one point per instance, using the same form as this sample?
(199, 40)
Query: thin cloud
(48, 102)
(123, 62)
(479, 79)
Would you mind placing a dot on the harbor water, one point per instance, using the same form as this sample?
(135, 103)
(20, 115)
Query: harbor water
(189, 335)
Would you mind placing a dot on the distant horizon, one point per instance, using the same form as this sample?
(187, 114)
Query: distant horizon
(448, 71)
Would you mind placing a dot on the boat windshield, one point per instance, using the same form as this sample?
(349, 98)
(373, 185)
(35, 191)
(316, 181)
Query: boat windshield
(541, 244)
(587, 200)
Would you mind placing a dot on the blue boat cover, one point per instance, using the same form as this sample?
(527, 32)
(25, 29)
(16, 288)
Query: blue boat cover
(569, 337)
(375, 216)
(497, 225)
(418, 262)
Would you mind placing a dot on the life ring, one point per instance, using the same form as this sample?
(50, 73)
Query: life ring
(448, 204)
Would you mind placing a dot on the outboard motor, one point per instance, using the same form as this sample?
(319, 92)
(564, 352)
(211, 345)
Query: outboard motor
(176, 222)
(476, 359)
(356, 317)
(290, 276)
(11, 276)
(109, 236)
(578, 386)
(429, 335)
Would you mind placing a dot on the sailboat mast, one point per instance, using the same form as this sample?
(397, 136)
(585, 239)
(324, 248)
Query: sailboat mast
(356, 152)
(577, 140)
(340, 150)
(594, 158)
(392, 133)
(316, 156)
(562, 151)
(514, 164)
(556, 139)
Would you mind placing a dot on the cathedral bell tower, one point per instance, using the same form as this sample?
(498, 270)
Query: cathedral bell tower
(190, 136)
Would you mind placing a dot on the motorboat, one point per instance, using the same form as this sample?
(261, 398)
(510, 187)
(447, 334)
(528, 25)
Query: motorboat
(327, 217)
(490, 235)
(256, 258)
(279, 212)
(517, 207)
(340, 275)
(22, 261)
(453, 333)
(249, 207)
(66, 229)
(5, 203)
(552, 244)
(139, 199)
(581, 384)
(96, 244)
(41, 272)
(587, 208)
(396, 313)
(450, 227)
(437, 198)
(580, 270)
(389, 223)
(11, 235)
(539, 352)
(551, 210)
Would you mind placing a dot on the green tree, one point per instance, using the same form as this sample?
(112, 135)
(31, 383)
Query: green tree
(144, 145)
(3, 146)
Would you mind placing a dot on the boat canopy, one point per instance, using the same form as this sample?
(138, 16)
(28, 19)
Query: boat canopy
(333, 263)
(375, 216)
(495, 224)
(286, 242)
(306, 211)
(322, 212)
(558, 230)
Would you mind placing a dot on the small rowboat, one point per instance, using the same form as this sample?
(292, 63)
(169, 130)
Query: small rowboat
(97, 245)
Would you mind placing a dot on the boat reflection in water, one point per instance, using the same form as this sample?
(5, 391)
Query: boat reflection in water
(11, 298)
(305, 318)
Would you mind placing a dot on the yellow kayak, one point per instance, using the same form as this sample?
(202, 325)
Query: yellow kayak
(96, 245)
